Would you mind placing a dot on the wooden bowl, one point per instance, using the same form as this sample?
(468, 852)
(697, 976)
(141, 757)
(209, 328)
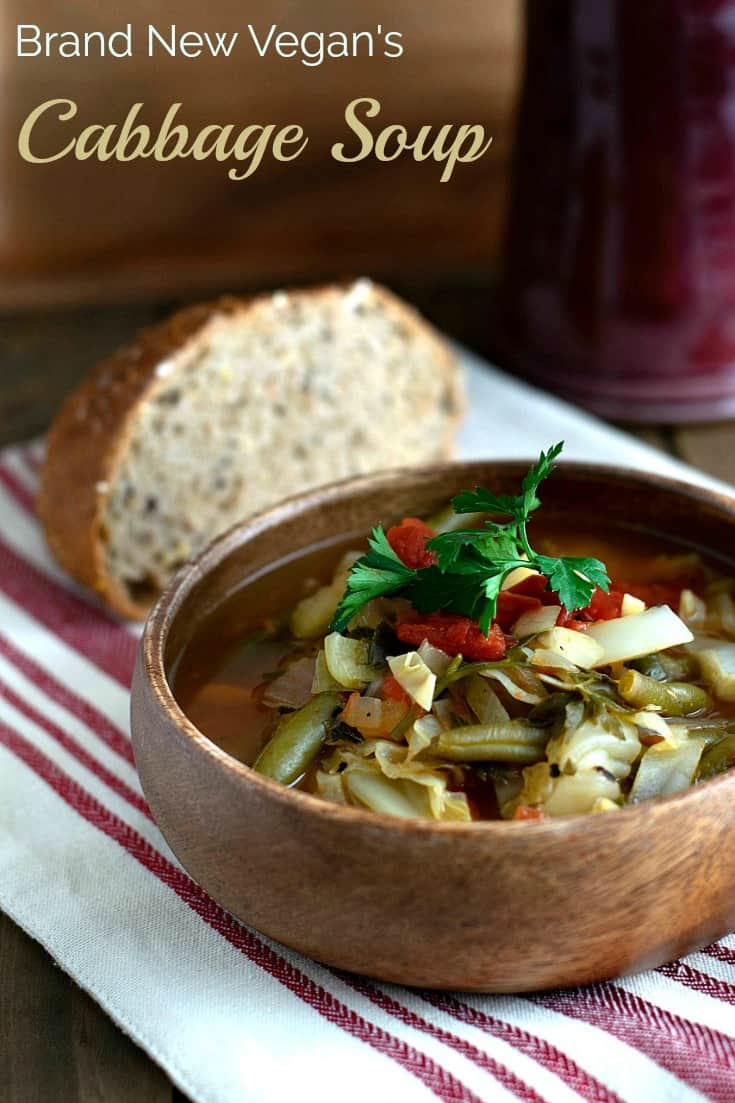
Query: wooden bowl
(492, 907)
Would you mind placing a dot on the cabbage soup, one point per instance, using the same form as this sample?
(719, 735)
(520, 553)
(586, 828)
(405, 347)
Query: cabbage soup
(484, 663)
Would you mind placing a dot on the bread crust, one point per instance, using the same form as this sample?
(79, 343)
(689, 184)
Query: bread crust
(87, 439)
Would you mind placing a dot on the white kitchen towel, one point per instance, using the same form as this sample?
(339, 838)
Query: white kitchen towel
(231, 1016)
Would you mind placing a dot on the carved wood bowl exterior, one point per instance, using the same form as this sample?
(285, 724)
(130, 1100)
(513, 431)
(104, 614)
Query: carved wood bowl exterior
(494, 906)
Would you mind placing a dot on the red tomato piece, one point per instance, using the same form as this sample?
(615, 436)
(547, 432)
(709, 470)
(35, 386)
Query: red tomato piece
(572, 621)
(455, 634)
(511, 605)
(601, 607)
(394, 691)
(604, 606)
(535, 585)
(525, 812)
(408, 541)
(481, 648)
(447, 631)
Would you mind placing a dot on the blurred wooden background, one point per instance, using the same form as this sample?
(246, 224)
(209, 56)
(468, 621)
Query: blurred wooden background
(79, 232)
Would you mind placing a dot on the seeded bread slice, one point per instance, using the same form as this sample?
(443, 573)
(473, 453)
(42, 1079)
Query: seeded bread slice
(226, 408)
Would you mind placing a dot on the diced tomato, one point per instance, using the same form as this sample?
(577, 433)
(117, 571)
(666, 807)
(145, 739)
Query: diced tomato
(447, 631)
(605, 606)
(601, 607)
(408, 541)
(487, 648)
(573, 621)
(454, 634)
(394, 691)
(535, 585)
(511, 605)
(525, 812)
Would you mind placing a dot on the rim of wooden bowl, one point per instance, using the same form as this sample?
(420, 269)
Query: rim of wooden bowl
(173, 599)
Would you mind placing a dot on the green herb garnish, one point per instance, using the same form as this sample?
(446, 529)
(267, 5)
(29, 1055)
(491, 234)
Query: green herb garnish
(472, 564)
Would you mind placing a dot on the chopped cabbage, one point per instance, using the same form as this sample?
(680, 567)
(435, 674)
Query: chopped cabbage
(578, 648)
(631, 606)
(413, 675)
(564, 795)
(393, 784)
(422, 734)
(604, 742)
(692, 610)
(348, 661)
(581, 792)
(484, 701)
(630, 637)
(323, 682)
(665, 769)
(717, 663)
(534, 621)
(437, 660)
(532, 693)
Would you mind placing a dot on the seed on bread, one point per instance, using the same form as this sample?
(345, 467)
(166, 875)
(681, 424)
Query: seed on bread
(227, 408)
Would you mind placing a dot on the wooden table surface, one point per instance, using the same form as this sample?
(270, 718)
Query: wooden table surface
(56, 1045)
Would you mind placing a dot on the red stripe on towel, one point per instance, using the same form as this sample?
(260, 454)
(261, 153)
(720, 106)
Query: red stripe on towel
(701, 1057)
(438, 1079)
(96, 721)
(538, 1049)
(483, 1060)
(135, 800)
(17, 489)
(102, 640)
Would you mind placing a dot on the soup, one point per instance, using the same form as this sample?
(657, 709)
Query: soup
(454, 672)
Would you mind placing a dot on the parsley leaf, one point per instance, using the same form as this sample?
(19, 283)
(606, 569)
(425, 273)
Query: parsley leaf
(376, 574)
(472, 564)
(573, 579)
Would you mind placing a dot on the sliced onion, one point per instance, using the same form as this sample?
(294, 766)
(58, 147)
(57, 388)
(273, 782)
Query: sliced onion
(371, 716)
(534, 621)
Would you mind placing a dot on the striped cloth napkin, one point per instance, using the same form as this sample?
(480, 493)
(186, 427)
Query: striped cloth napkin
(231, 1016)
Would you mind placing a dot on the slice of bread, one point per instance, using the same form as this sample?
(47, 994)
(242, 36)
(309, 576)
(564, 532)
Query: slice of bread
(226, 408)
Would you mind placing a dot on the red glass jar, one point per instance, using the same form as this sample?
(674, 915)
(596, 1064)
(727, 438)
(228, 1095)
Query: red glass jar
(619, 278)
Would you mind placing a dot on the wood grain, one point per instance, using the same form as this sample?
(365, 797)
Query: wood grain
(709, 447)
(55, 1042)
(44, 356)
(79, 231)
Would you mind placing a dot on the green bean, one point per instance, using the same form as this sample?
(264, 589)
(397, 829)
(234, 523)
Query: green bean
(397, 733)
(673, 698)
(297, 740)
(666, 668)
(717, 758)
(710, 728)
(458, 670)
(509, 741)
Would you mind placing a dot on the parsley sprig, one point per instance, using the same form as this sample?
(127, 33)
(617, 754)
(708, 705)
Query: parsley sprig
(472, 564)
